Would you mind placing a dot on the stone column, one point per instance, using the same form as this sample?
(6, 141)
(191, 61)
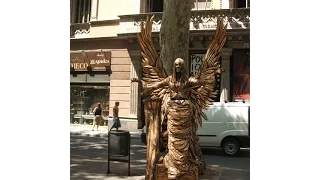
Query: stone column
(71, 8)
(142, 6)
(94, 10)
(225, 77)
(134, 88)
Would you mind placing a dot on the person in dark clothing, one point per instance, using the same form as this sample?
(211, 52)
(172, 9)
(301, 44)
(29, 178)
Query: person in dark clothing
(97, 116)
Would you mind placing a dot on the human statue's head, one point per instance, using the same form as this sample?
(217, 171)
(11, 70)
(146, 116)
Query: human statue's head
(178, 65)
(117, 103)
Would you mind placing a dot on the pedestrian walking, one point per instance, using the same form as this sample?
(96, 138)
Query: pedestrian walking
(97, 116)
(116, 120)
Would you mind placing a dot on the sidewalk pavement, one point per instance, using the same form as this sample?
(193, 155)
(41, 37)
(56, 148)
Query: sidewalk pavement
(86, 130)
(137, 162)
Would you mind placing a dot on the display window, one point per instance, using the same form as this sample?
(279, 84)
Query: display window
(83, 99)
(240, 75)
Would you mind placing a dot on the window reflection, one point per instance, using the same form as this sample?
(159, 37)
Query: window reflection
(83, 99)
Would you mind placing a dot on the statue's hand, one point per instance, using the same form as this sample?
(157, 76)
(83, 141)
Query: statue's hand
(135, 80)
(139, 81)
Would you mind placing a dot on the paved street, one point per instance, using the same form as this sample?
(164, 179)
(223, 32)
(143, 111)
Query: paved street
(89, 159)
(233, 168)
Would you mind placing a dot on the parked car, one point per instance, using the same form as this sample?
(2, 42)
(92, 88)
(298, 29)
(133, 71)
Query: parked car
(227, 127)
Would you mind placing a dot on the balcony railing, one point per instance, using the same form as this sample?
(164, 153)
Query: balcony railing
(80, 30)
(200, 20)
(236, 19)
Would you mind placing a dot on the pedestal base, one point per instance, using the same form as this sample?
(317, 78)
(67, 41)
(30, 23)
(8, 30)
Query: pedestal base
(161, 173)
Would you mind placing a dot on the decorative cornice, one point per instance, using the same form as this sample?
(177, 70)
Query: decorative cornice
(202, 22)
(79, 28)
(199, 20)
(105, 22)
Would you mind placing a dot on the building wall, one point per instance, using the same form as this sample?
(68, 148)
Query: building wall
(224, 4)
(110, 9)
(104, 30)
(125, 61)
(120, 66)
(126, 57)
(120, 81)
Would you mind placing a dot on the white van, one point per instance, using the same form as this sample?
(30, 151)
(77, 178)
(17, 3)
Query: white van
(227, 127)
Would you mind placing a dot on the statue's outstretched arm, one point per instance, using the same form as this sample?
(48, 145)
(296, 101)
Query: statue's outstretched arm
(138, 80)
(156, 85)
(151, 86)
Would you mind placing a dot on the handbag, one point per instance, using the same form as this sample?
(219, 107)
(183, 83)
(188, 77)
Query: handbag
(118, 123)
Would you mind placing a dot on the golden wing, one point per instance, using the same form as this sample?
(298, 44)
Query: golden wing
(152, 68)
(153, 72)
(204, 95)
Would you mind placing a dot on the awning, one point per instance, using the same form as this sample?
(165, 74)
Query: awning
(86, 78)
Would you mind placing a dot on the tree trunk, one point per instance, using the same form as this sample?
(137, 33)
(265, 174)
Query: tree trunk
(174, 33)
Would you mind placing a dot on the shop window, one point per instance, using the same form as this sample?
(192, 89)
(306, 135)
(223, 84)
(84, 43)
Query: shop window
(240, 75)
(195, 64)
(241, 3)
(155, 5)
(81, 11)
(85, 98)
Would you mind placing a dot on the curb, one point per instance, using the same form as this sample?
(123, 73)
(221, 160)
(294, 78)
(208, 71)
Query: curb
(134, 135)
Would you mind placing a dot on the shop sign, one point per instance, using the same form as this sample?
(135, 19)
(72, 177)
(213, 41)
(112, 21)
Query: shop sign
(97, 60)
(195, 63)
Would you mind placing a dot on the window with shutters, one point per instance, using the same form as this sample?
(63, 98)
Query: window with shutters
(80, 11)
(241, 3)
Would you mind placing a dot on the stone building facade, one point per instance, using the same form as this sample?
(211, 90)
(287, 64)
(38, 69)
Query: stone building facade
(108, 29)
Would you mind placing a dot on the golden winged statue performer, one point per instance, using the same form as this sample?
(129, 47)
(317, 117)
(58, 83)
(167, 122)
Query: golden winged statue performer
(177, 101)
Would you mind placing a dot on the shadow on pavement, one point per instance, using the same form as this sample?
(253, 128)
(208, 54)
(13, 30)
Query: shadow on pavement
(233, 168)
(88, 159)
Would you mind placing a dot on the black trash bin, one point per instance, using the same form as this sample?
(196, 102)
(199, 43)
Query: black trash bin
(119, 147)
(119, 143)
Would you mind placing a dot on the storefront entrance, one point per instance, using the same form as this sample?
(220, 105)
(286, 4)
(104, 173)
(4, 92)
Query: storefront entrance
(83, 99)
(240, 74)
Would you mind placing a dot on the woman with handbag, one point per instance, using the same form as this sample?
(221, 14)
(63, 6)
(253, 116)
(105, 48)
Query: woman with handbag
(97, 116)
